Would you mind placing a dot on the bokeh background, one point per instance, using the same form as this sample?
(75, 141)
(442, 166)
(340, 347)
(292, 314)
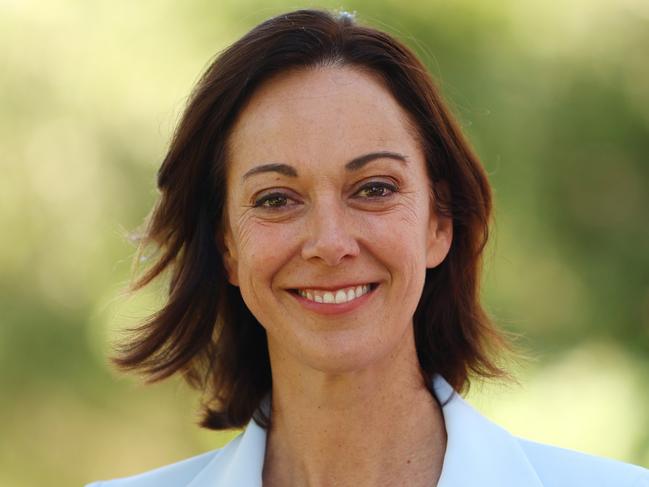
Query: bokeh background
(553, 95)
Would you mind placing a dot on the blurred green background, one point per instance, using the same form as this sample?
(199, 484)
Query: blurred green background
(553, 95)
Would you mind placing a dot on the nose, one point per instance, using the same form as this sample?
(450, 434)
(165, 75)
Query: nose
(328, 234)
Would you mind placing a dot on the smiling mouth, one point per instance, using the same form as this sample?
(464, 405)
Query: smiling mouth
(335, 296)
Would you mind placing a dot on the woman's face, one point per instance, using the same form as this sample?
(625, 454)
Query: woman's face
(331, 226)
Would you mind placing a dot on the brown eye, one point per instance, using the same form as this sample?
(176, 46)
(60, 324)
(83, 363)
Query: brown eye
(377, 189)
(273, 200)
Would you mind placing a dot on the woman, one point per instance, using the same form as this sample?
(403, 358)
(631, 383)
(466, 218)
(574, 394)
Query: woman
(323, 220)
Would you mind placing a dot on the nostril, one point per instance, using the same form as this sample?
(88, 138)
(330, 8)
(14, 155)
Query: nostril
(331, 250)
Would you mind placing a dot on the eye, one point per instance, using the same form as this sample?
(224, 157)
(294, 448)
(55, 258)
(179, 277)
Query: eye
(272, 200)
(377, 189)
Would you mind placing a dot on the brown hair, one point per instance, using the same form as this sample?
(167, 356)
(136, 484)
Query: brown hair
(205, 331)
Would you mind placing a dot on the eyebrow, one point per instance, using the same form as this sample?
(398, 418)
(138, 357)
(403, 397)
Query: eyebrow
(353, 165)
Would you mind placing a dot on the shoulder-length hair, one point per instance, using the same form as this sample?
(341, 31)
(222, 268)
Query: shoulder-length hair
(205, 331)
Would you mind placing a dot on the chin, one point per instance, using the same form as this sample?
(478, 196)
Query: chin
(344, 359)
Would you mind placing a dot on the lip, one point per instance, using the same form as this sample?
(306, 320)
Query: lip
(333, 308)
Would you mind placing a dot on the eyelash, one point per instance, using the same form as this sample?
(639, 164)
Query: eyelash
(392, 188)
(261, 202)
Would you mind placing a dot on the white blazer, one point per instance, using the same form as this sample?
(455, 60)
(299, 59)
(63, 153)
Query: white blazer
(478, 453)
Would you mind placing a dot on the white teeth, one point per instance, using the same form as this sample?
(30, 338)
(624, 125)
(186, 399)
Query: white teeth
(337, 297)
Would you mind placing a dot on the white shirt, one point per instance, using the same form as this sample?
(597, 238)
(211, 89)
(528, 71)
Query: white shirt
(478, 453)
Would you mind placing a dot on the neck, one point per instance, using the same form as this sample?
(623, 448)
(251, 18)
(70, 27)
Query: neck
(376, 426)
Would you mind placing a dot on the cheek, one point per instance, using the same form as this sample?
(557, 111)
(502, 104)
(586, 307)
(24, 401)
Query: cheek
(263, 246)
(400, 234)
(399, 243)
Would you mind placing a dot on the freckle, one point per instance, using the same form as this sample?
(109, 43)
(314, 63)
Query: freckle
(408, 461)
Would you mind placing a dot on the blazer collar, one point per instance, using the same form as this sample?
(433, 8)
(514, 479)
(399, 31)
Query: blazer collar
(478, 452)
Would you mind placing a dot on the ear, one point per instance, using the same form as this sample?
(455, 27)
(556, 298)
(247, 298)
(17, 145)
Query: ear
(440, 229)
(226, 246)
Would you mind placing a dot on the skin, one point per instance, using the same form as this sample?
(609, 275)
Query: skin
(349, 404)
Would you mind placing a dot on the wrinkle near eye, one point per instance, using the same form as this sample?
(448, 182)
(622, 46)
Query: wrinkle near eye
(407, 205)
(243, 230)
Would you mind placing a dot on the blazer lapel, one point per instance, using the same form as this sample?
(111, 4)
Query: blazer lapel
(478, 452)
(239, 463)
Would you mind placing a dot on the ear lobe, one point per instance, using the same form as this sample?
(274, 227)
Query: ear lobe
(226, 248)
(440, 231)
(440, 237)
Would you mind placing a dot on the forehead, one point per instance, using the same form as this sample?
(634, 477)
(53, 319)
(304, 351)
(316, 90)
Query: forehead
(319, 112)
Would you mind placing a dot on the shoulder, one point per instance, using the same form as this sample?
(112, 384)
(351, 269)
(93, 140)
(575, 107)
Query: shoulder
(239, 462)
(560, 467)
(173, 475)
